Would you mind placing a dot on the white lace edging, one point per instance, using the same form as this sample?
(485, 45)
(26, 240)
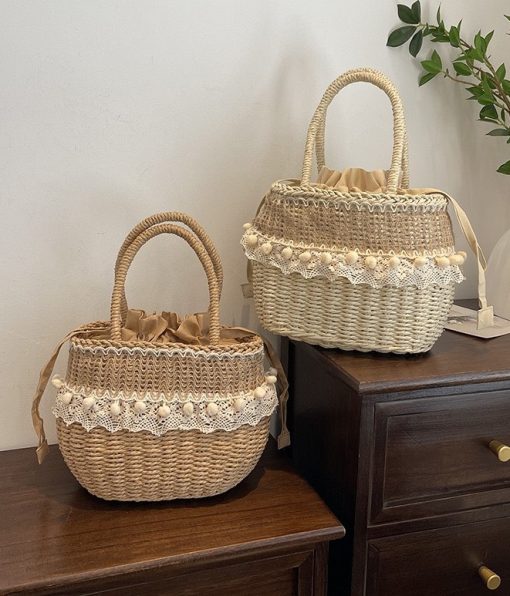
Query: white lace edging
(162, 413)
(373, 269)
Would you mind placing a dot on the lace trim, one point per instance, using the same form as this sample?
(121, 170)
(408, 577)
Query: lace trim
(375, 270)
(160, 413)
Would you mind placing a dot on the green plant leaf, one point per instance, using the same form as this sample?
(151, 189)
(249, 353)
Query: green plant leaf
(486, 86)
(454, 37)
(462, 69)
(440, 36)
(488, 38)
(484, 100)
(434, 65)
(507, 17)
(416, 8)
(476, 92)
(480, 44)
(426, 78)
(499, 132)
(431, 67)
(400, 36)
(406, 15)
(474, 54)
(438, 15)
(506, 86)
(488, 112)
(501, 73)
(416, 43)
(504, 168)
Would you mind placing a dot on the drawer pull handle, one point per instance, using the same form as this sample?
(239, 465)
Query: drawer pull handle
(501, 450)
(491, 580)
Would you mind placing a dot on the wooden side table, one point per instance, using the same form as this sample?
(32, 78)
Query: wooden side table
(413, 453)
(268, 536)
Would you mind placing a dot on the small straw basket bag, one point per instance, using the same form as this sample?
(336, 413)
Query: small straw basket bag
(157, 407)
(357, 260)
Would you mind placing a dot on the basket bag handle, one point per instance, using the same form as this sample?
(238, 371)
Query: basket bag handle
(172, 217)
(128, 253)
(316, 129)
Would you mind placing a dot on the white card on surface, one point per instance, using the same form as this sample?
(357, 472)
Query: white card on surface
(465, 320)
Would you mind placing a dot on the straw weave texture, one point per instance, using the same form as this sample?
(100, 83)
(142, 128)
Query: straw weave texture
(352, 317)
(396, 230)
(354, 270)
(162, 380)
(125, 466)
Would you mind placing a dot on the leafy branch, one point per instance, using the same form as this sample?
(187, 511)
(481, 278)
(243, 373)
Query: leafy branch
(472, 66)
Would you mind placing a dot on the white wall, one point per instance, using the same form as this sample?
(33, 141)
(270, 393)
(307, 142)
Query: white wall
(115, 109)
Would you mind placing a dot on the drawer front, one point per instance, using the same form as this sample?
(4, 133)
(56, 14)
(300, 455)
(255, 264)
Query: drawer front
(440, 562)
(432, 456)
(301, 573)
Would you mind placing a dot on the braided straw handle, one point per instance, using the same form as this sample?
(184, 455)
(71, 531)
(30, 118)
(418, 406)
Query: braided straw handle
(128, 253)
(172, 217)
(316, 129)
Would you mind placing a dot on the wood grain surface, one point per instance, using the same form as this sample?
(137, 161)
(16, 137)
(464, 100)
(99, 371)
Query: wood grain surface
(54, 535)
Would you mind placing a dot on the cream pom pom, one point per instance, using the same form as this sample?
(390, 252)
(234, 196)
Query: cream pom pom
(287, 253)
(115, 408)
(239, 404)
(462, 253)
(351, 257)
(266, 248)
(252, 240)
(272, 371)
(271, 379)
(304, 257)
(140, 406)
(212, 409)
(67, 398)
(187, 409)
(247, 226)
(442, 262)
(163, 411)
(457, 259)
(420, 262)
(326, 258)
(88, 402)
(57, 382)
(259, 392)
(394, 262)
(371, 262)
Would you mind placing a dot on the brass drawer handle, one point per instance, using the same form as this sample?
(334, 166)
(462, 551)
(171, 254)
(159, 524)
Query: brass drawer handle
(491, 580)
(501, 450)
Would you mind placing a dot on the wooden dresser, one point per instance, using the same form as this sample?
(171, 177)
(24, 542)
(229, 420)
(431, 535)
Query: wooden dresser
(268, 536)
(402, 449)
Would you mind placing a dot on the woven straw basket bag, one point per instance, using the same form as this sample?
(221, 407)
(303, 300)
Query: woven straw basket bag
(155, 407)
(357, 260)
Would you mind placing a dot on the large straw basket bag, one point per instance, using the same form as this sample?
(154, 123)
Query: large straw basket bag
(357, 260)
(157, 407)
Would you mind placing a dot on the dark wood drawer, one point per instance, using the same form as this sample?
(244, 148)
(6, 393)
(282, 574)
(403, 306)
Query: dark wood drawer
(432, 456)
(440, 562)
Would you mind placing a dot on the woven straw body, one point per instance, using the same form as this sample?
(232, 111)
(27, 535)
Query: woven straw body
(142, 420)
(353, 269)
(353, 317)
(126, 466)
